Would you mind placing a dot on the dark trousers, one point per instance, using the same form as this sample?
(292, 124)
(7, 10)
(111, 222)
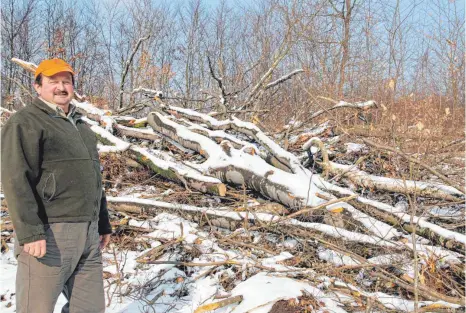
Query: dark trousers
(72, 265)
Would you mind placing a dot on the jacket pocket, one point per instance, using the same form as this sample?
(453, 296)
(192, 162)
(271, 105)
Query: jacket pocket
(47, 186)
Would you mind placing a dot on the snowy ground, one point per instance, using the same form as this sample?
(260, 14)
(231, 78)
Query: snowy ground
(175, 288)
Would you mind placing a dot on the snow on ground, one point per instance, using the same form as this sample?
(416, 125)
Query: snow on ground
(352, 147)
(172, 288)
(166, 288)
(393, 302)
(261, 291)
(7, 280)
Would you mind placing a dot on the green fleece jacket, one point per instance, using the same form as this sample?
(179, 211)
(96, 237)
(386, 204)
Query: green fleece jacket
(50, 171)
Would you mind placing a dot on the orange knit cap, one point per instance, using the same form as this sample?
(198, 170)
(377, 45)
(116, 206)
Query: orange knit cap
(52, 67)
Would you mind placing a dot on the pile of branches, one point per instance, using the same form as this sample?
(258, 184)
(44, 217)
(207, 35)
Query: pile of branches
(301, 183)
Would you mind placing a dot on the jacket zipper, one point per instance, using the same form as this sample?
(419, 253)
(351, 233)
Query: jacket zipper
(96, 213)
(96, 201)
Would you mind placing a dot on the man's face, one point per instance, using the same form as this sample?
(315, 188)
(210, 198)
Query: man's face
(57, 89)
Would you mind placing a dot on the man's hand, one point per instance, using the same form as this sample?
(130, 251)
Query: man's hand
(104, 240)
(36, 248)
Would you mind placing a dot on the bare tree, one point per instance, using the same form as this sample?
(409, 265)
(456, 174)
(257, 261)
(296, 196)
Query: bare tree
(345, 13)
(17, 40)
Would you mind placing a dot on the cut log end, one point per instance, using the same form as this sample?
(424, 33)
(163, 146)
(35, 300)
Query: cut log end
(219, 189)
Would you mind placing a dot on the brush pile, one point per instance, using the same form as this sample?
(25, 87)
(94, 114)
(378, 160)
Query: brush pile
(211, 213)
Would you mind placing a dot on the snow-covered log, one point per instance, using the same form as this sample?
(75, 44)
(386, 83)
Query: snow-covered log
(419, 188)
(178, 172)
(439, 235)
(238, 167)
(228, 219)
(140, 133)
(363, 179)
(111, 143)
(217, 135)
(391, 215)
(361, 106)
(286, 158)
(221, 135)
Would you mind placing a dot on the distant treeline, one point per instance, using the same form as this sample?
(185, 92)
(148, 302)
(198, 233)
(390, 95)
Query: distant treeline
(348, 49)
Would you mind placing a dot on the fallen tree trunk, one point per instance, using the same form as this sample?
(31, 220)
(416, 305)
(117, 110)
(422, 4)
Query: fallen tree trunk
(418, 188)
(220, 135)
(129, 121)
(179, 173)
(284, 157)
(449, 243)
(240, 168)
(236, 167)
(366, 180)
(234, 220)
(445, 237)
(146, 134)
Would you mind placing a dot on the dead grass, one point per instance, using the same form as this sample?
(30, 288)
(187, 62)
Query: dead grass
(412, 116)
(116, 171)
(302, 304)
(436, 114)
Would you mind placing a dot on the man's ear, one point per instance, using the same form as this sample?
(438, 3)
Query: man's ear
(38, 88)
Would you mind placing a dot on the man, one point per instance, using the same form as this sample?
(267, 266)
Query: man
(52, 184)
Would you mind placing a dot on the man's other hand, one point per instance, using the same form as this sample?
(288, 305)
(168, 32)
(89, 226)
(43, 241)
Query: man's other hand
(36, 248)
(104, 240)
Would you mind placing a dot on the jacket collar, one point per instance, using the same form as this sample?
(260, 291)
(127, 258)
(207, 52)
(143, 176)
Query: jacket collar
(44, 107)
(40, 103)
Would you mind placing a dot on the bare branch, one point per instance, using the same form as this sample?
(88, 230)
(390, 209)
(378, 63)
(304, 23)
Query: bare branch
(283, 78)
(223, 95)
(128, 64)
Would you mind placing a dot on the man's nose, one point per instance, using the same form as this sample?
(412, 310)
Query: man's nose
(61, 86)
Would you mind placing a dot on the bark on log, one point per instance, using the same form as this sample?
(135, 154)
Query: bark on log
(234, 220)
(438, 234)
(286, 158)
(366, 180)
(137, 133)
(129, 121)
(436, 238)
(179, 173)
(240, 168)
(418, 188)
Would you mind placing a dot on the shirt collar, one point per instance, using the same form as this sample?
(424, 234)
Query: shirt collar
(59, 110)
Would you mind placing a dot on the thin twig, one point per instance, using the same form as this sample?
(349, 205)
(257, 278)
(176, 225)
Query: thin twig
(416, 161)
